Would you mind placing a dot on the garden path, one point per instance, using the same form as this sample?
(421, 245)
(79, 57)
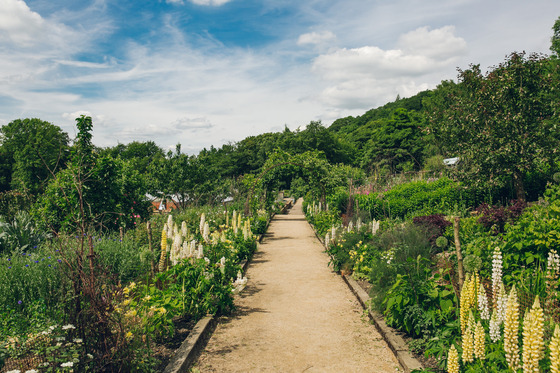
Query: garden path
(295, 315)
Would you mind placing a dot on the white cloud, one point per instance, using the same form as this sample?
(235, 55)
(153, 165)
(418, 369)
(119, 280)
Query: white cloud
(439, 44)
(362, 77)
(19, 24)
(210, 2)
(192, 124)
(315, 38)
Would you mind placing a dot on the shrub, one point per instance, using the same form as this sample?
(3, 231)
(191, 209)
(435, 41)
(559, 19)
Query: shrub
(20, 234)
(435, 225)
(495, 217)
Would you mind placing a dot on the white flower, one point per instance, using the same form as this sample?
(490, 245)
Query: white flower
(78, 340)
(31, 371)
(496, 274)
(495, 332)
(68, 326)
(14, 371)
(90, 356)
(483, 303)
(68, 364)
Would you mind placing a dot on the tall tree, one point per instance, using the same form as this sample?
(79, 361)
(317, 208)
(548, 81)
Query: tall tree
(31, 149)
(555, 40)
(502, 124)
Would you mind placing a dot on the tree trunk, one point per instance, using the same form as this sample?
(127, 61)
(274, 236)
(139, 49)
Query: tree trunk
(518, 185)
(461, 272)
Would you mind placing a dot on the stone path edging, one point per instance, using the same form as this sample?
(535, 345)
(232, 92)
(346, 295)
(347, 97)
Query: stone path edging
(399, 347)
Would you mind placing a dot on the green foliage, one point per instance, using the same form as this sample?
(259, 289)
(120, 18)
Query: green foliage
(93, 192)
(126, 261)
(418, 198)
(31, 149)
(12, 202)
(418, 303)
(30, 277)
(501, 124)
(323, 221)
(20, 234)
(555, 39)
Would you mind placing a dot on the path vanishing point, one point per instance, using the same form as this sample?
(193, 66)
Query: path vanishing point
(296, 314)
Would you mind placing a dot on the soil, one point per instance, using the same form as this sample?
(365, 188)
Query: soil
(164, 350)
(295, 314)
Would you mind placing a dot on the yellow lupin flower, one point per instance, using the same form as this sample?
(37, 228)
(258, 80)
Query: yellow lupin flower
(163, 250)
(533, 338)
(453, 360)
(555, 351)
(479, 339)
(468, 340)
(468, 299)
(511, 331)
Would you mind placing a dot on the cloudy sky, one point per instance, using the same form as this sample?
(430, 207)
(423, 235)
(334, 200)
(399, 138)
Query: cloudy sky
(208, 72)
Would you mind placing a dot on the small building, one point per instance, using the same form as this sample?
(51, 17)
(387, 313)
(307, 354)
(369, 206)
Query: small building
(451, 161)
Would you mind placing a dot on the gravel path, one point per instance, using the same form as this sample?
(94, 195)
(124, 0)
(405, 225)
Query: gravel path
(295, 315)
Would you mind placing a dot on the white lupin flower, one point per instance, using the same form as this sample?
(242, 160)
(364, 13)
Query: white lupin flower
(502, 304)
(497, 265)
(184, 229)
(169, 225)
(202, 221)
(200, 253)
(495, 330)
(374, 227)
(205, 232)
(483, 303)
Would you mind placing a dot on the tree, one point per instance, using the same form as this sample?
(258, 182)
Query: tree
(555, 40)
(502, 124)
(30, 149)
(395, 143)
(94, 191)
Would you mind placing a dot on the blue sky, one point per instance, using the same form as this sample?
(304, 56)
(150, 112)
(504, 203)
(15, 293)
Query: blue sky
(209, 72)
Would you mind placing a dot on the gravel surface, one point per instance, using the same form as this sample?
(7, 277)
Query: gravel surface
(295, 315)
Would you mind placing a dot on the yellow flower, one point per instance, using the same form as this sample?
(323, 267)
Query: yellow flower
(128, 335)
(163, 250)
(468, 340)
(511, 328)
(533, 338)
(468, 299)
(479, 339)
(555, 351)
(453, 360)
(130, 313)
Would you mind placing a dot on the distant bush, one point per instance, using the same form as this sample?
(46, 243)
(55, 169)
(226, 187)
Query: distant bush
(419, 198)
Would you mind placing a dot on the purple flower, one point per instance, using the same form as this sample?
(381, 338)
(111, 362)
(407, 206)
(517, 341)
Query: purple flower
(49, 265)
(48, 257)
(9, 267)
(9, 259)
(19, 302)
(60, 261)
(36, 261)
(27, 265)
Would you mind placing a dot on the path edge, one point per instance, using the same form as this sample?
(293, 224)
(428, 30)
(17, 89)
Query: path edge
(396, 343)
